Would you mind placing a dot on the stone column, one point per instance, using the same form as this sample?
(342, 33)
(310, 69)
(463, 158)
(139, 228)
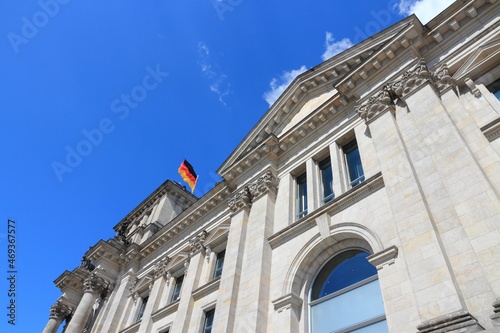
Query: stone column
(93, 286)
(191, 281)
(58, 312)
(230, 279)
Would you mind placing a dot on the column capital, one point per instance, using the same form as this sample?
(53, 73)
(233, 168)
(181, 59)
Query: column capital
(266, 183)
(197, 244)
(60, 311)
(241, 200)
(95, 284)
(160, 267)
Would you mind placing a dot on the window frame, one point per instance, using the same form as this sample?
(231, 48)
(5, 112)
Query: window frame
(218, 270)
(324, 165)
(358, 325)
(205, 320)
(142, 308)
(176, 290)
(348, 148)
(301, 205)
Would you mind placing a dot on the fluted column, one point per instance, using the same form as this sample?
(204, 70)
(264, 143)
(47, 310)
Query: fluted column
(93, 286)
(58, 312)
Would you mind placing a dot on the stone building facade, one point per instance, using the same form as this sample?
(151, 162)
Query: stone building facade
(365, 200)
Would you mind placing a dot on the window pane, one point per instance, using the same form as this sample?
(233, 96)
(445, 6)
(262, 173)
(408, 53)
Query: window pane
(209, 320)
(144, 302)
(219, 264)
(301, 196)
(379, 327)
(495, 88)
(355, 169)
(325, 168)
(347, 309)
(177, 288)
(343, 270)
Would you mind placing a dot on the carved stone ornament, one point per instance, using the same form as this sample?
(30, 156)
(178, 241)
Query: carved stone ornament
(198, 243)
(160, 268)
(95, 284)
(208, 251)
(410, 81)
(242, 199)
(251, 192)
(496, 311)
(169, 277)
(60, 311)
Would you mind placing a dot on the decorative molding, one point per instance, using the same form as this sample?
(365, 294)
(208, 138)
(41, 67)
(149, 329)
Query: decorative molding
(165, 311)
(458, 321)
(197, 244)
(132, 328)
(492, 130)
(384, 100)
(496, 312)
(384, 258)
(160, 267)
(60, 311)
(242, 200)
(96, 285)
(206, 289)
(286, 302)
(267, 183)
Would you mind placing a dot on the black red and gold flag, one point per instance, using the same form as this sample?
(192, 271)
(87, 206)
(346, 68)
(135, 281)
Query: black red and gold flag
(187, 173)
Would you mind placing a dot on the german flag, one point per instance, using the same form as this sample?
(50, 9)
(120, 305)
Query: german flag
(188, 175)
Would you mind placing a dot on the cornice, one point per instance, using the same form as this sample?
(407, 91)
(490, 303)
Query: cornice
(384, 258)
(286, 302)
(492, 130)
(338, 204)
(72, 279)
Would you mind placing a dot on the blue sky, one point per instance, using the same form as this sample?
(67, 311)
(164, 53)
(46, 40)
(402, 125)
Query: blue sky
(101, 101)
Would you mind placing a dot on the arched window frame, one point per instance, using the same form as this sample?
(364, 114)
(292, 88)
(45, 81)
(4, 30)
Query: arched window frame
(340, 292)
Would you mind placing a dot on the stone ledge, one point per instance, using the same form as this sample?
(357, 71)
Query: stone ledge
(163, 312)
(132, 328)
(286, 302)
(343, 201)
(384, 257)
(496, 312)
(206, 289)
(458, 321)
(492, 130)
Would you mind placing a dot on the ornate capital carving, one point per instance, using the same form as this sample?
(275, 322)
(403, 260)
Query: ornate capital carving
(96, 285)
(377, 104)
(60, 311)
(411, 80)
(160, 268)
(198, 243)
(266, 183)
(242, 199)
(442, 79)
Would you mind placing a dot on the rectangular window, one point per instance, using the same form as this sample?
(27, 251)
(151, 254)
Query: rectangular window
(325, 168)
(301, 197)
(494, 88)
(353, 164)
(209, 320)
(144, 302)
(177, 288)
(219, 263)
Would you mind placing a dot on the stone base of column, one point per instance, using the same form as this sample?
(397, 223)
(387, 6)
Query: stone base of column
(458, 321)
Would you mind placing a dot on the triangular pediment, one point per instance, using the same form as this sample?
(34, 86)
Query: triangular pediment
(480, 61)
(316, 89)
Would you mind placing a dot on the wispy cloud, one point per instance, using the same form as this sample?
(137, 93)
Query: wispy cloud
(218, 81)
(333, 47)
(278, 85)
(425, 10)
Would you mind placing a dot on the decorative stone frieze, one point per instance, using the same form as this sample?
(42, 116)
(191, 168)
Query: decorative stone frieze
(96, 285)
(267, 183)
(241, 200)
(197, 244)
(410, 81)
(160, 268)
(458, 321)
(60, 311)
(496, 312)
(384, 258)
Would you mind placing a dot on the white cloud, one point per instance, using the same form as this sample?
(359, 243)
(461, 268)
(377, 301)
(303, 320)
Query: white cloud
(424, 9)
(332, 47)
(218, 82)
(279, 85)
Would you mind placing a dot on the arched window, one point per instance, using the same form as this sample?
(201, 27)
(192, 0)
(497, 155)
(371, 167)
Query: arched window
(346, 297)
